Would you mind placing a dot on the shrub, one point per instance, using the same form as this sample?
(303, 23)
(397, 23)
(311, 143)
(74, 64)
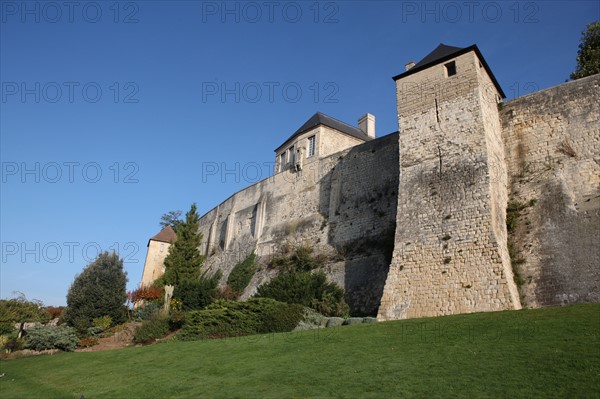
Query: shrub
(229, 319)
(147, 311)
(197, 294)
(3, 341)
(152, 329)
(6, 328)
(98, 291)
(151, 293)
(242, 273)
(52, 337)
(310, 289)
(94, 331)
(20, 310)
(14, 343)
(103, 322)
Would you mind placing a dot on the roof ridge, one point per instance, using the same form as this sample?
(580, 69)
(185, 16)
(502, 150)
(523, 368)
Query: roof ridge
(340, 121)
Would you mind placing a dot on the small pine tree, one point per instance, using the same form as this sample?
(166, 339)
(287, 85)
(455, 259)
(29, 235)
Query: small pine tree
(588, 56)
(100, 290)
(183, 261)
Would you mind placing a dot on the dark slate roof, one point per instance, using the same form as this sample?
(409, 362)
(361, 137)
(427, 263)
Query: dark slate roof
(165, 235)
(322, 119)
(444, 53)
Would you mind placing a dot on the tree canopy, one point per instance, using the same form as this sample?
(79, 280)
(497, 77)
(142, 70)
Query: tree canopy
(100, 290)
(171, 218)
(588, 56)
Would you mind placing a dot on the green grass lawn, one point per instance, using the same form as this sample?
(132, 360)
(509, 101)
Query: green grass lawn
(552, 352)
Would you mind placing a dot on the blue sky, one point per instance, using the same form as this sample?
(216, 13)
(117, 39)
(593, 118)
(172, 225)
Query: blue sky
(113, 113)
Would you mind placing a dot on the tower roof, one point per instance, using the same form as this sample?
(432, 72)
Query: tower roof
(325, 120)
(443, 53)
(165, 235)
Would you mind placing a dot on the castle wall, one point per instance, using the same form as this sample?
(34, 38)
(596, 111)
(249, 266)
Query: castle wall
(552, 141)
(342, 205)
(448, 256)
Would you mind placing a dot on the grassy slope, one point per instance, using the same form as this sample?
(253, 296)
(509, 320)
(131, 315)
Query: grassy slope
(553, 352)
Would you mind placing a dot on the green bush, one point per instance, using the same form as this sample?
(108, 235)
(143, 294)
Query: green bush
(7, 328)
(98, 291)
(230, 319)
(52, 337)
(94, 331)
(197, 294)
(242, 273)
(103, 322)
(146, 312)
(310, 289)
(152, 329)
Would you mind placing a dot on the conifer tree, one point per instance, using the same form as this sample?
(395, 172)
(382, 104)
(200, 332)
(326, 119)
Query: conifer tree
(100, 290)
(588, 56)
(183, 261)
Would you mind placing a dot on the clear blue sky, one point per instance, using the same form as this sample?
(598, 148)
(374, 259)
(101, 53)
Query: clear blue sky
(112, 113)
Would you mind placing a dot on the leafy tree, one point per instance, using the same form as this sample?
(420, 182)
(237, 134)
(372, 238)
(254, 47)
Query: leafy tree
(172, 218)
(98, 291)
(183, 261)
(20, 310)
(588, 56)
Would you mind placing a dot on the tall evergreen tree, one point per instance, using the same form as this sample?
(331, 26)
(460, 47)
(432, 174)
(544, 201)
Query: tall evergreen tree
(100, 290)
(183, 261)
(588, 56)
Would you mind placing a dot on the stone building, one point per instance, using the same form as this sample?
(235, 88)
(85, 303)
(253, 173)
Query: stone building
(414, 223)
(158, 247)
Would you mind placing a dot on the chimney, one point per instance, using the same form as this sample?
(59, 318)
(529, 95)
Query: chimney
(367, 125)
(409, 65)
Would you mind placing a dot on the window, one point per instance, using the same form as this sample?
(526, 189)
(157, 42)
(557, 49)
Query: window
(282, 162)
(311, 146)
(291, 156)
(450, 69)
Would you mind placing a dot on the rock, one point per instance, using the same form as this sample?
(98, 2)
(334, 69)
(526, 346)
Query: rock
(334, 322)
(369, 320)
(352, 321)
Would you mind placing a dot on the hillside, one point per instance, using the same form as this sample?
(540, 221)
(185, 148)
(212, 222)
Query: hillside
(551, 352)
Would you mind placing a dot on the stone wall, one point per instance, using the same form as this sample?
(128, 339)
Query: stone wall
(154, 264)
(552, 141)
(450, 255)
(342, 205)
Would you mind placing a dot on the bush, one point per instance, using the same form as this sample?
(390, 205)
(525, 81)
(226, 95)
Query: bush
(20, 310)
(197, 294)
(95, 331)
(3, 341)
(310, 289)
(7, 328)
(151, 330)
(229, 319)
(98, 291)
(242, 273)
(14, 344)
(146, 312)
(103, 322)
(52, 337)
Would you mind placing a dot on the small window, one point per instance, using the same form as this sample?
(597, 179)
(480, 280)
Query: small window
(291, 157)
(282, 162)
(311, 146)
(450, 69)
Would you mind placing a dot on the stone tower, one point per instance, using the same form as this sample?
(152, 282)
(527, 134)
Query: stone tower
(158, 248)
(450, 253)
